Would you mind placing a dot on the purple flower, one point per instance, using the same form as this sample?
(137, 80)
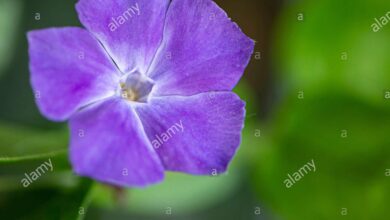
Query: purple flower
(146, 87)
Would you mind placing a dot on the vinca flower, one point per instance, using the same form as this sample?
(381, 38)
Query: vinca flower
(146, 87)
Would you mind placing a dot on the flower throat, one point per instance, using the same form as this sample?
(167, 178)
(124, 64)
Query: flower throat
(136, 87)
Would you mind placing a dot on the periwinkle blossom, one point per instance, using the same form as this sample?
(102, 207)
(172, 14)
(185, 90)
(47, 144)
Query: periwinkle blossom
(121, 87)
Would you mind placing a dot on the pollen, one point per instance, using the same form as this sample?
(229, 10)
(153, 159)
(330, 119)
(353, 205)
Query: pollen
(128, 93)
(136, 88)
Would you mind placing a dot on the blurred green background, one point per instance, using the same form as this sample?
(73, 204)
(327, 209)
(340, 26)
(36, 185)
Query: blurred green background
(317, 88)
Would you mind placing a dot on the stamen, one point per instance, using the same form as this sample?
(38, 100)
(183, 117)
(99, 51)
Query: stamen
(136, 87)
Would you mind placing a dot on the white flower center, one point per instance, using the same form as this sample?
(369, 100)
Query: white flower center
(136, 87)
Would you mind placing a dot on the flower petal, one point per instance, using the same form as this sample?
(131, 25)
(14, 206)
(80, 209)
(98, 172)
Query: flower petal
(130, 30)
(198, 134)
(69, 69)
(108, 144)
(202, 50)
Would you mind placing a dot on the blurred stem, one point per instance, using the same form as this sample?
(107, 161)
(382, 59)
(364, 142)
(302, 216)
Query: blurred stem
(119, 195)
(32, 157)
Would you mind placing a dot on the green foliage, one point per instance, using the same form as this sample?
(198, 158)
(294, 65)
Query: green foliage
(54, 195)
(335, 48)
(179, 192)
(335, 71)
(349, 144)
(9, 18)
(65, 203)
(19, 143)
